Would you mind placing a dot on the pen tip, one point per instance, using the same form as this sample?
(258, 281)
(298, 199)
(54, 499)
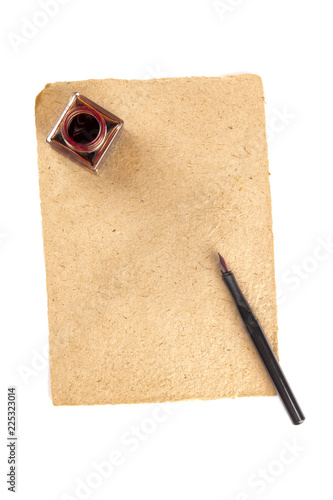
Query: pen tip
(223, 265)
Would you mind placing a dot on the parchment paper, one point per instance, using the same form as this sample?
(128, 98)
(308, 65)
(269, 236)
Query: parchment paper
(137, 308)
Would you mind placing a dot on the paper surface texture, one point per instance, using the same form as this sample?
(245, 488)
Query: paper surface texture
(137, 308)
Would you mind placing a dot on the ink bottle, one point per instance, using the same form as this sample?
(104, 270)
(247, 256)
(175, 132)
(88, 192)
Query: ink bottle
(84, 132)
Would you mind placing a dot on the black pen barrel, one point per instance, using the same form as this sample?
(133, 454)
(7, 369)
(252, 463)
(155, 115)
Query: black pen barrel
(264, 349)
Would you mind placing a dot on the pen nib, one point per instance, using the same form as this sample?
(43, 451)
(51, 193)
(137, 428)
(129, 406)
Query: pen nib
(223, 265)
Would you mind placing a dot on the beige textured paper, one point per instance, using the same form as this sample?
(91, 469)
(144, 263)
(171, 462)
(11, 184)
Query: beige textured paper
(137, 308)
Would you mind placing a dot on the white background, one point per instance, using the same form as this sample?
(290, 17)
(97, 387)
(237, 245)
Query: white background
(220, 450)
